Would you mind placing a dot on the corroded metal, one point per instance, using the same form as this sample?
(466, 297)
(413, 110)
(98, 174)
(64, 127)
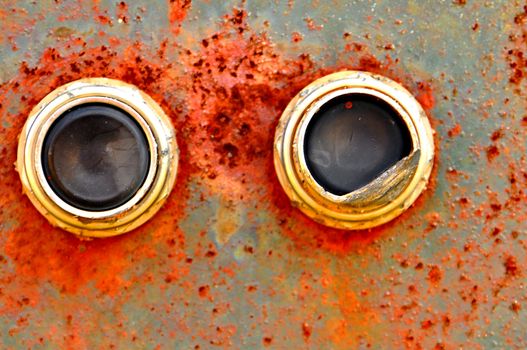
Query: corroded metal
(378, 202)
(227, 262)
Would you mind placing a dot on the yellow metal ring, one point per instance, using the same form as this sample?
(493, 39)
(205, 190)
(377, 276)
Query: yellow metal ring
(376, 203)
(162, 147)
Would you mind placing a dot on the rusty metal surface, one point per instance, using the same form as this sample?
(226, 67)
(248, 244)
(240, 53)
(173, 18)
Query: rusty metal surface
(227, 262)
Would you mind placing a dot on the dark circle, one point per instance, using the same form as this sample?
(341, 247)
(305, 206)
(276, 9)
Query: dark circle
(352, 140)
(95, 157)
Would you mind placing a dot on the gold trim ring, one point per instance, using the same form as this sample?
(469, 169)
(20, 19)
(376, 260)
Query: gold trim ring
(384, 198)
(149, 197)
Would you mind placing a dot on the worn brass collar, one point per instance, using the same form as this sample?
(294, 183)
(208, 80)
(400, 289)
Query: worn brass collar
(381, 200)
(162, 147)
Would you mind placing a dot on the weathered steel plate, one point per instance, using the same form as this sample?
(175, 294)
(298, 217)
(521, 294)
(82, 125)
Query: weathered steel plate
(228, 263)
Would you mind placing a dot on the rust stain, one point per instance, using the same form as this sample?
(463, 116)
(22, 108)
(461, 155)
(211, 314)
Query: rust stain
(296, 37)
(239, 83)
(516, 53)
(233, 78)
(42, 253)
(177, 12)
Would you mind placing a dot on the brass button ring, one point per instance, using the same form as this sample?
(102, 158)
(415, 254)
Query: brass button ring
(97, 157)
(353, 150)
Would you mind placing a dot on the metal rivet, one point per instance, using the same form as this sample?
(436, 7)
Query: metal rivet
(353, 150)
(97, 157)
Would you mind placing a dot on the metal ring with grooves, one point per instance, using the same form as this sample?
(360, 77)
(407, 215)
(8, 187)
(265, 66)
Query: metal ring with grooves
(150, 196)
(384, 198)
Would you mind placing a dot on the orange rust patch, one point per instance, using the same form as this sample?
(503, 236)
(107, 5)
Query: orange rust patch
(492, 152)
(435, 274)
(425, 95)
(177, 11)
(296, 37)
(43, 253)
(455, 131)
(224, 100)
(516, 54)
(240, 87)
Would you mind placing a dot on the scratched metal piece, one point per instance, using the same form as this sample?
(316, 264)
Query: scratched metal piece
(228, 262)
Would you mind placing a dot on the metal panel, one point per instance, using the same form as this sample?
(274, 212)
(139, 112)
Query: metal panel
(228, 263)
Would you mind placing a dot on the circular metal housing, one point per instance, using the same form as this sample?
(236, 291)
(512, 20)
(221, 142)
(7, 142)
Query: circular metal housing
(383, 198)
(162, 161)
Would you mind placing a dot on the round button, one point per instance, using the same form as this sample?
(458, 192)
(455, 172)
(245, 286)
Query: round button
(353, 139)
(353, 150)
(95, 157)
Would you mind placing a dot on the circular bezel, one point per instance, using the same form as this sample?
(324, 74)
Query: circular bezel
(162, 147)
(345, 211)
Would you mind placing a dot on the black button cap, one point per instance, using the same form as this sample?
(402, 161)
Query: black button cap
(95, 157)
(352, 140)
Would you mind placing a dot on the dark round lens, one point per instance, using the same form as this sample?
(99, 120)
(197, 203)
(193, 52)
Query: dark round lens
(352, 140)
(95, 157)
